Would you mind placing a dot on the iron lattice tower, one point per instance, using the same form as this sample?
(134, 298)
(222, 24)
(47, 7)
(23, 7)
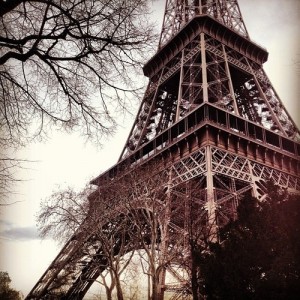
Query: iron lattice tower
(209, 115)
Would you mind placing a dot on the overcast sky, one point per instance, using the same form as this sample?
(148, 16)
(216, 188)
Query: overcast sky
(65, 160)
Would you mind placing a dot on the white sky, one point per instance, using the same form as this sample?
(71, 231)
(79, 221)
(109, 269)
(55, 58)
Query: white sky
(65, 160)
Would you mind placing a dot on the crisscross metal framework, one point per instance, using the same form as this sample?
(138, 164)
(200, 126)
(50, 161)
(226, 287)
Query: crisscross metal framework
(215, 128)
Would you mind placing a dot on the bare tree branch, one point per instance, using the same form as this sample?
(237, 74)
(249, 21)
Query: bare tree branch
(68, 65)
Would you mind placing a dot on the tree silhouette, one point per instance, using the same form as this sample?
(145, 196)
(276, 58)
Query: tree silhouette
(70, 65)
(258, 257)
(6, 292)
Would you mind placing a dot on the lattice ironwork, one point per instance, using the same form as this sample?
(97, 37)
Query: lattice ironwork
(178, 13)
(233, 176)
(189, 167)
(285, 180)
(214, 130)
(207, 70)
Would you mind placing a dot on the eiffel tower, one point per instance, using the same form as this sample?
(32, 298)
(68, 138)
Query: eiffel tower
(209, 116)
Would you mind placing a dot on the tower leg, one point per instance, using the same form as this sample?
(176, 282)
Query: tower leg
(164, 241)
(210, 200)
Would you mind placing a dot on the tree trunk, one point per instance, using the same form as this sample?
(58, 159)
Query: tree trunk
(195, 276)
(108, 293)
(119, 288)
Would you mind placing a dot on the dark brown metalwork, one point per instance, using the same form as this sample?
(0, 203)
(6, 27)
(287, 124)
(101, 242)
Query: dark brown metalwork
(210, 115)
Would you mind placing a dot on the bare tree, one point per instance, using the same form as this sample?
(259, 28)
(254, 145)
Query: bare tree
(7, 179)
(63, 213)
(133, 280)
(69, 65)
(104, 235)
(9, 166)
(148, 201)
(115, 220)
(139, 211)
